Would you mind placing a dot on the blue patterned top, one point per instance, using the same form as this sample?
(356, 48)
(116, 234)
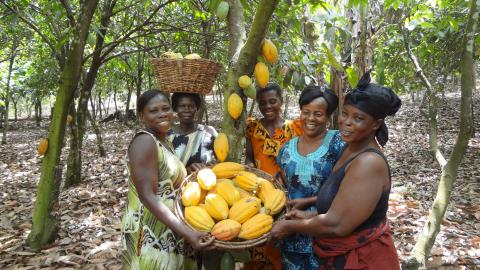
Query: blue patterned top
(305, 175)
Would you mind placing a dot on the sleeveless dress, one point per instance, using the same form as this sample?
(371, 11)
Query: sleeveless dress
(148, 243)
(370, 245)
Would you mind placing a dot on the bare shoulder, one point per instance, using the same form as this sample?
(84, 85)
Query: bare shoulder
(369, 164)
(141, 144)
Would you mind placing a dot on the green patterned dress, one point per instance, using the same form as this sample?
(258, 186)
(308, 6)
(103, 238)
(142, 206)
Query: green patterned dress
(148, 243)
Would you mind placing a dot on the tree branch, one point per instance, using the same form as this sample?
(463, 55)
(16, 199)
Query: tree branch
(68, 9)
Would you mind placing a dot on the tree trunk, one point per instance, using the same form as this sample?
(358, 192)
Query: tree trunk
(242, 61)
(426, 239)
(74, 160)
(337, 85)
(7, 96)
(38, 111)
(44, 221)
(15, 110)
(98, 135)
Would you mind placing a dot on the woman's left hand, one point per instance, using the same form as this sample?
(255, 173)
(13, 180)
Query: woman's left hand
(194, 167)
(280, 230)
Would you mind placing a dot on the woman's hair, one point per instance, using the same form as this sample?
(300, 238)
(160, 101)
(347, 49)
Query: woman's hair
(146, 96)
(268, 87)
(177, 96)
(376, 100)
(312, 92)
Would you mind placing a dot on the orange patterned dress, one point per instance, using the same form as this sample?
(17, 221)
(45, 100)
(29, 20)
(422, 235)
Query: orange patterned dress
(265, 148)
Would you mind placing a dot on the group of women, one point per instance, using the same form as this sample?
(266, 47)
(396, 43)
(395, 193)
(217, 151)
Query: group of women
(338, 181)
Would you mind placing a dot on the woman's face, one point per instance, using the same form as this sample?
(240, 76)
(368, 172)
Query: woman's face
(186, 109)
(270, 105)
(314, 117)
(356, 125)
(158, 114)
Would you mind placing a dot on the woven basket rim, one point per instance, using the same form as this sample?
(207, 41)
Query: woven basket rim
(185, 75)
(231, 245)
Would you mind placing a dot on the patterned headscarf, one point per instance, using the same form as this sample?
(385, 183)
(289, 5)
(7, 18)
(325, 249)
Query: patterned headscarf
(376, 100)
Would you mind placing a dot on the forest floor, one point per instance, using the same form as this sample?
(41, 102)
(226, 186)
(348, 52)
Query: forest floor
(91, 213)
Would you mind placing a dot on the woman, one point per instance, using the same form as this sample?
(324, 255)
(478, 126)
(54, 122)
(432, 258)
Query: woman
(193, 142)
(350, 226)
(154, 236)
(307, 161)
(265, 137)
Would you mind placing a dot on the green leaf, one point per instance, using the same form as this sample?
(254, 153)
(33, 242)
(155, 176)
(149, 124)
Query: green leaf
(352, 77)
(241, 255)
(331, 58)
(213, 4)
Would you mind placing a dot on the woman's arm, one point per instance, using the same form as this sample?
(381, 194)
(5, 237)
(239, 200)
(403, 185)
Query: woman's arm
(363, 184)
(144, 171)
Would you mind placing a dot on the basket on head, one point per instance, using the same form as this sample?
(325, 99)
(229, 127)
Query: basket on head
(185, 75)
(230, 245)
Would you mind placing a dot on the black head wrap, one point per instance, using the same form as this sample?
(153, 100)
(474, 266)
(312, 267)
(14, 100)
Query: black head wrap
(312, 92)
(376, 100)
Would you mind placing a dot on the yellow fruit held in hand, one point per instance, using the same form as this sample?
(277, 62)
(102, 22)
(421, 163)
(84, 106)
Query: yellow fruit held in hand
(226, 230)
(216, 206)
(256, 226)
(42, 146)
(244, 81)
(235, 106)
(262, 74)
(269, 51)
(220, 147)
(274, 202)
(207, 179)
(199, 218)
(191, 194)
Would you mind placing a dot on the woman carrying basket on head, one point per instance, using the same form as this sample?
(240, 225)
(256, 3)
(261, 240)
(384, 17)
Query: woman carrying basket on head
(193, 142)
(153, 236)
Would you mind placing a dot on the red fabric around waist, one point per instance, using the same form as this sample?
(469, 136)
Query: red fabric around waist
(372, 248)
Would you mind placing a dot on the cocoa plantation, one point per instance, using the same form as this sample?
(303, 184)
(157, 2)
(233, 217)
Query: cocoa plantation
(235, 134)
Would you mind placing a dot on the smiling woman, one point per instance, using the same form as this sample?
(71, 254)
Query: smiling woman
(306, 162)
(153, 236)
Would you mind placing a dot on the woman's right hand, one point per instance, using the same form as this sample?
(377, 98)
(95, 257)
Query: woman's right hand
(299, 214)
(299, 203)
(200, 241)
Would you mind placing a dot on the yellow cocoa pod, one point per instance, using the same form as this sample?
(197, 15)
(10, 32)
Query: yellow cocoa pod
(216, 206)
(221, 180)
(228, 192)
(275, 201)
(244, 193)
(244, 209)
(262, 76)
(244, 81)
(192, 56)
(256, 226)
(235, 105)
(226, 230)
(227, 169)
(69, 119)
(269, 51)
(206, 179)
(247, 180)
(42, 146)
(198, 218)
(264, 187)
(191, 194)
(220, 147)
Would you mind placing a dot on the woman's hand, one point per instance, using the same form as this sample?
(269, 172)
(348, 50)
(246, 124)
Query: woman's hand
(299, 203)
(280, 229)
(299, 214)
(195, 167)
(200, 241)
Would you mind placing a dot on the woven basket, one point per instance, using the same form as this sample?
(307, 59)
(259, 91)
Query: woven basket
(185, 75)
(235, 243)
